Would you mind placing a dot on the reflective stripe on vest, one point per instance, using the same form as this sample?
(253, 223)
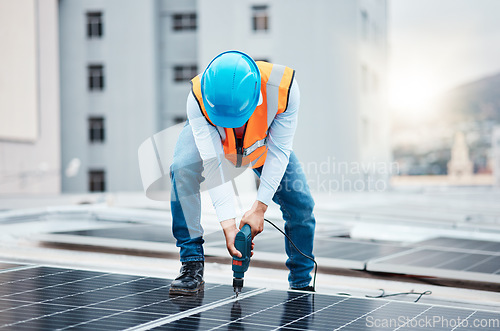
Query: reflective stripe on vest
(276, 81)
(253, 148)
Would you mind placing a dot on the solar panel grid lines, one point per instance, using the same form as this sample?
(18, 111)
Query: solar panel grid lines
(129, 310)
(487, 265)
(292, 313)
(47, 311)
(306, 316)
(480, 316)
(461, 262)
(466, 319)
(108, 300)
(335, 252)
(360, 317)
(135, 232)
(460, 250)
(413, 318)
(462, 245)
(50, 286)
(69, 309)
(196, 310)
(13, 283)
(435, 258)
(432, 262)
(233, 312)
(434, 318)
(258, 312)
(141, 303)
(339, 313)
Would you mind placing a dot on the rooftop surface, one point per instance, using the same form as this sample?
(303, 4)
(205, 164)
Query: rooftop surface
(443, 241)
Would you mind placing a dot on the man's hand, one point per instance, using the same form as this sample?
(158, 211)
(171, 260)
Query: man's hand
(255, 218)
(230, 232)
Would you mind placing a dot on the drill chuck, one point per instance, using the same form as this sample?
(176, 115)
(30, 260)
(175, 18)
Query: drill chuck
(237, 285)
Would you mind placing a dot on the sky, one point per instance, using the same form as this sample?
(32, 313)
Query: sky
(435, 45)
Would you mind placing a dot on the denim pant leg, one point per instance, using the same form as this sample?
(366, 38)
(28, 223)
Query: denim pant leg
(185, 204)
(296, 203)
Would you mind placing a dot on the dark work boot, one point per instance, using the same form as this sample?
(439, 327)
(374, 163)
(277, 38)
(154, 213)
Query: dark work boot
(190, 280)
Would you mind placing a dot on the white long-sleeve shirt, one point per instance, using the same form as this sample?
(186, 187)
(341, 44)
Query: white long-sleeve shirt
(279, 143)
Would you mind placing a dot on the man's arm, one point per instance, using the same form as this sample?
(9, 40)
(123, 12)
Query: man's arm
(279, 142)
(208, 142)
(209, 145)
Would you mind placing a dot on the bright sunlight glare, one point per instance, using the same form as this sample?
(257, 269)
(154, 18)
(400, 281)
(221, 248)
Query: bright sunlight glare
(410, 92)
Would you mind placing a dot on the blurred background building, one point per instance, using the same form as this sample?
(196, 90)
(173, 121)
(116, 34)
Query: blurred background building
(126, 67)
(110, 76)
(30, 145)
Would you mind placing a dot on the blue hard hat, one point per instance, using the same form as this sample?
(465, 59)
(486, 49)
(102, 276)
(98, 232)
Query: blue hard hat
(230, 87)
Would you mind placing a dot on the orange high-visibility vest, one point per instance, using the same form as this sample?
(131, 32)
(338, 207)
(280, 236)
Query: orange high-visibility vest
(276, 81)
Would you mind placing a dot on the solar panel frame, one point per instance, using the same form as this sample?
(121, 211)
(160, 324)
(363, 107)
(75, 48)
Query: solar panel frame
(431, 262)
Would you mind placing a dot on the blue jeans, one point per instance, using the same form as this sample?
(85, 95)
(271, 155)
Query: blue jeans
(293, 197)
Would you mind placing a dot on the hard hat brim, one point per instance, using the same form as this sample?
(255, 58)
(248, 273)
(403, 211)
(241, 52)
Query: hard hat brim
(227, 121)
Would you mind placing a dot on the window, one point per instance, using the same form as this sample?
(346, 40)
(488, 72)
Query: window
(96, 77)
(260, 18)
(94, 25)
(364, 24)
(185, 73)
(97, 181)
(184, 22)
(96, 129)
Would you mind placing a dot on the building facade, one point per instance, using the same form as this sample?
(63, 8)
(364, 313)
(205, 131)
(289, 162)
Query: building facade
(109, 90)
(126, 66)
(29, 98)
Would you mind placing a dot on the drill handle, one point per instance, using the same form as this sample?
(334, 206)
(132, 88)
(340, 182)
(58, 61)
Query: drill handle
(243, 243)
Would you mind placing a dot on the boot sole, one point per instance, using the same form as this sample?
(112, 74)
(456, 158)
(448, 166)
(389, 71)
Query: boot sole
(185, 291)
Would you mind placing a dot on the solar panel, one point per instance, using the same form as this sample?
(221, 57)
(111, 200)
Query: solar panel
(441, 263)
(154, 233)
(55, 298)
(302, 311)
(149, 233)
(462, 244)
(332, 252)
(50, 298)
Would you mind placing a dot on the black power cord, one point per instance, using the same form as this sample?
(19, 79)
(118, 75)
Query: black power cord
(298, 250)
(383, 295)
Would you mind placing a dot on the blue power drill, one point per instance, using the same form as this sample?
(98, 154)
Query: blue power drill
(243, 243)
